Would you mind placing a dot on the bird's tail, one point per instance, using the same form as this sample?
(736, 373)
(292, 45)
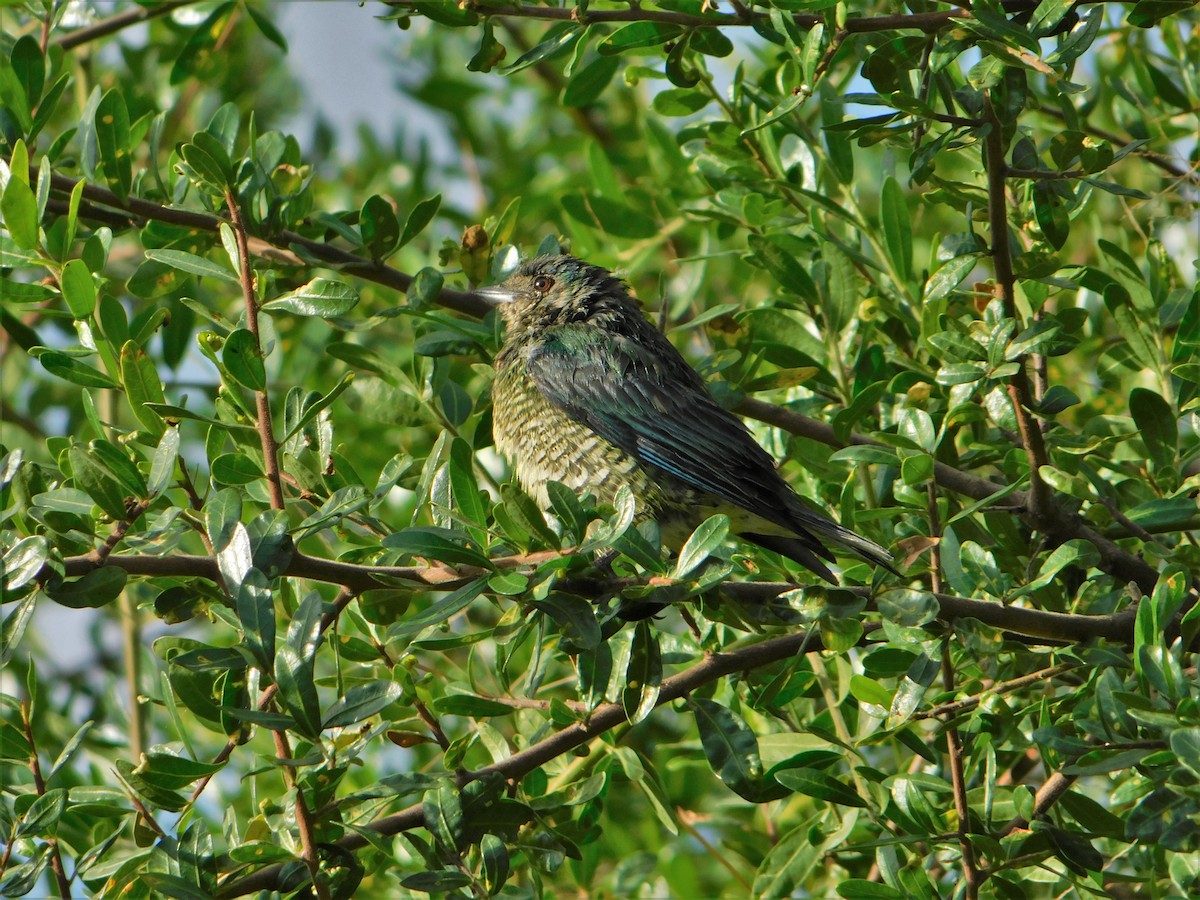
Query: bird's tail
(822, 528)
(863, 547)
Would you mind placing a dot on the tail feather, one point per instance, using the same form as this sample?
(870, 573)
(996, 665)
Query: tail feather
(796, 549)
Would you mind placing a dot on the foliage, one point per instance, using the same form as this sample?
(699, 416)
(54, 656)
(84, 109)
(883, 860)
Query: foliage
(944, 259)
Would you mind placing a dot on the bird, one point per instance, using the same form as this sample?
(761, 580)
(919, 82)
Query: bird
(589, 393)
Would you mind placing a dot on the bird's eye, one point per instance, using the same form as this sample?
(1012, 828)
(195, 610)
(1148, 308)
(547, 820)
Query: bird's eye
(543, 283)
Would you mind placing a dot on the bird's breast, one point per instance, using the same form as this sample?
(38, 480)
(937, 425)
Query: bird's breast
(544, 444)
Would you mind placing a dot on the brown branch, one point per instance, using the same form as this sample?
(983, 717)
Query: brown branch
(603, 719)
(262, 400)
(958, 781)
(134, 510)
(39, 782)
(304, 818)
(1042, 506)
(1055, 626)
(958, 707)
(101, 202)
(113, 24)
(1047, 795)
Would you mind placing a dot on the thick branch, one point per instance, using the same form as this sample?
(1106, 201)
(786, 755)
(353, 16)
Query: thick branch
(1036, 623)
(1041, 502)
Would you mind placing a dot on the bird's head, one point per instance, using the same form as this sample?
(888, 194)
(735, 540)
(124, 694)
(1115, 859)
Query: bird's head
(555, 290)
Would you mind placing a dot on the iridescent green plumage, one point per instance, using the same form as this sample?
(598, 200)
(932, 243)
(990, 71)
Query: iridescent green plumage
(589, 393)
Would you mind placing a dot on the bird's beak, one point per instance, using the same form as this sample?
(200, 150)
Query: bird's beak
(495, 295)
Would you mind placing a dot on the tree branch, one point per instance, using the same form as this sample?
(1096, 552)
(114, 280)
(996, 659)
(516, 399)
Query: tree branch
(1067, 627)
(113, 24)
(262, 400)
(1041, 502)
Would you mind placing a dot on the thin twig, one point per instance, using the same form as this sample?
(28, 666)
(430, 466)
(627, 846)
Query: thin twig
(262, 399)
(304, 819)
(116, 23)
(966, 704)
(954, 749)
(39, 782)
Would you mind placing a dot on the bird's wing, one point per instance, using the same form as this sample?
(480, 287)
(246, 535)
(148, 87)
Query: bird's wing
(650, 403)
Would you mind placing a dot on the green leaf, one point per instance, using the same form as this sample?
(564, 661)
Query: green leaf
(23, 560)
(379, 227)
(787, 868)
(97, 588)
(244, 359)
(15, 623)
(193, 264)
(343, 502)
(19, 207)
(462, 480)
(440, 544)
(234, 469)
(636, 36)
(588, 83)
(71, 369)
(774, 256)
(566, 506)
(142, 386)
(210, 172)
(113, 139)
(222, 514)
(256, 612)
(1156, 424)
(420, 216)
(267, 27)
(294, 675)
(707, 537)
(97, 481)
(470, 706)
(610, 216)
(1050, 211)
(154, 279)
(559, 39)
(643, 674)
(320, 297)
(732, 751)
(821, 785)
(574, 616)
(949, 276)
(361, 702)
(440, 612)
(897, 227)
(78, 288)
(43, 814)
(680, 101)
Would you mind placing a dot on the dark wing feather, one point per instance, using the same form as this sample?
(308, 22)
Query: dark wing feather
(650, 403)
